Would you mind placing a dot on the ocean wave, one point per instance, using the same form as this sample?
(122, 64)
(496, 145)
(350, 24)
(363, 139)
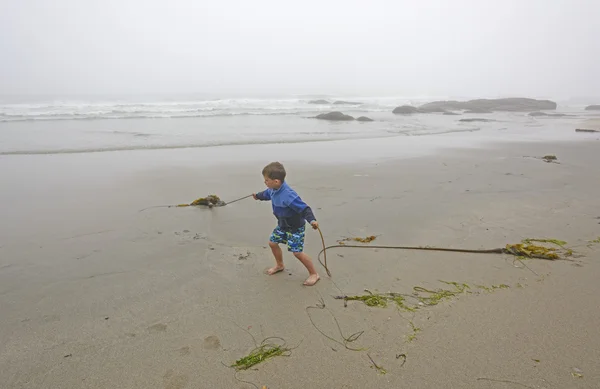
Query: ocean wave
(143, 115)
(61, 110)
(422, 131)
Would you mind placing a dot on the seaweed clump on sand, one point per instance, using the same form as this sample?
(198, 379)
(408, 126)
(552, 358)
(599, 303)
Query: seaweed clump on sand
(423, 297)
(210, 201)
(380, 300)
(261, 353)
(550, 158)
(526, 249)
(367, 239)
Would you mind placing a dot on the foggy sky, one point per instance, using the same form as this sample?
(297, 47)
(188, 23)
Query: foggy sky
(259, 47)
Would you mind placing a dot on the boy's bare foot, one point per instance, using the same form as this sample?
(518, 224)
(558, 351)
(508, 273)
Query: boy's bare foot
(274, 270)
(312, 279)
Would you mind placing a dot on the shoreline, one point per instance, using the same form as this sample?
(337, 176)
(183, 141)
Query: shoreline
(428, 144)
(67, 137)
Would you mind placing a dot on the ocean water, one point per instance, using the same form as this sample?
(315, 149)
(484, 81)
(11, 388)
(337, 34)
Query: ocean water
(81, 126)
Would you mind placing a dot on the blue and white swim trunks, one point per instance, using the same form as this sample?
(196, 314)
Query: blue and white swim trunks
(294, 239)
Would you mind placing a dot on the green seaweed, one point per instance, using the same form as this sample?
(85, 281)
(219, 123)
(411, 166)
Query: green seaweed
(370, 299)
(260, 354)
(380, 369)
(425, 297)
(532, 251)
(527, 249)
(381, 300)
(367, 239)
(413, 336)
(432, 297)
(557, 242)
(400, 302)
(436, 296)
(210, 200)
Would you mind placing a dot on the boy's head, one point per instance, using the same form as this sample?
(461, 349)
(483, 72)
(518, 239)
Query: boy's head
(274, 174)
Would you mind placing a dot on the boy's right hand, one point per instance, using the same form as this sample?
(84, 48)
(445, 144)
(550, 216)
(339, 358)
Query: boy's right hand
(254, 196)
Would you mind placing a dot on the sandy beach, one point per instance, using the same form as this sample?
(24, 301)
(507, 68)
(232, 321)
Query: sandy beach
(439, 145)
(95, 294)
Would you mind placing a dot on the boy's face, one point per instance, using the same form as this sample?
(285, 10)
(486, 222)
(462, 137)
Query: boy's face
(272, 184)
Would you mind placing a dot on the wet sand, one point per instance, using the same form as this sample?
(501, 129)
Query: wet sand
(94, 294)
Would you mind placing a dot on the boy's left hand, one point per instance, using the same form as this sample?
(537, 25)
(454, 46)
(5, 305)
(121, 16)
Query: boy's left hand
(314, 224)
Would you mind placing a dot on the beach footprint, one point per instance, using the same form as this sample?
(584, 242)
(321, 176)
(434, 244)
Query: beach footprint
(175, 381)
(156, 328)
(211, 343)
(186, 236)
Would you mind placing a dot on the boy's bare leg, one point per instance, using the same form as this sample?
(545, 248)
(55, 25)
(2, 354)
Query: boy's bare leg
(278, 254)
(307, 262)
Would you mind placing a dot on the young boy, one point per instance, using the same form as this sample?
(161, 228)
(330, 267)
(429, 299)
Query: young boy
(291, 213)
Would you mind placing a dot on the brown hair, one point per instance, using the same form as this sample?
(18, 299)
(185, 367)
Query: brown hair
(274, 171)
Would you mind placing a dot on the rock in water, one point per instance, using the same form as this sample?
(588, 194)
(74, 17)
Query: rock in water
(451, 113)
(473, 120)
(592, 108)
(515, 104)
(449, 105)
(334, 116)
(341, 102)
(319, 102)
(405, 110)
(365, 119)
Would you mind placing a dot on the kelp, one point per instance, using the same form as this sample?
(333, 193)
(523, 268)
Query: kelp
(210, 201)
(413, 336)
(380, 300)
(380, 369)
(421, 295)
(491, 289)
(261, 353)
(367, 239)
(529, 250)
(435, 296)
(557, 242)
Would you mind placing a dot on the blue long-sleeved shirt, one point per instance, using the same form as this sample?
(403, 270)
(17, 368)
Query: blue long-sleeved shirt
(289, 209)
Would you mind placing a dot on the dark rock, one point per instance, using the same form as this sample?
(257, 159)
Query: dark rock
(592, 108)
(319, 102)
(365, 119)
(516, 104)
(341, 102)
(451, 113)
(539, 113)
(405, 110)
(449, 105)
(334, 116)
(473, 120)
(585, 130)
